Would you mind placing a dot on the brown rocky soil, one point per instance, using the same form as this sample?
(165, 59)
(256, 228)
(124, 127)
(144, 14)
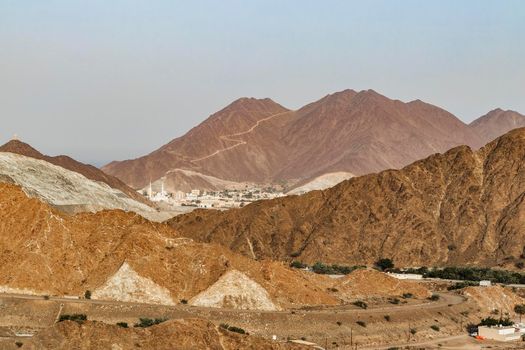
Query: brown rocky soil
(260, 141)
(364, 284)
(48, 252)
(494, 298)
(89, 171)
(460, 207)
(174, 334)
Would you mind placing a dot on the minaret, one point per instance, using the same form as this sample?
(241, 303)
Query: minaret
(150, 192)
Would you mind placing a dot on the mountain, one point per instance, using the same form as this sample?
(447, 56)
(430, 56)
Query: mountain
(64, 189)
(496, 123)
(122, 256)
(260, 141)
(459, 207)
(89, 171)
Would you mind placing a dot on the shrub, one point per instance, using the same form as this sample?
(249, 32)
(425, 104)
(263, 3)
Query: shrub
(79, 318)
(298, 265)
(407, 295)
(491, 321)
(361, 323)
(461, 285)
(413, 331)
(384, 264)
(434, 297)
(520, 265)
(87, 294)
(339, 323)
(148, 322)
(435, 327)
(122, 324)
(387, 318)
(394, 301)
(232, 328)
(360, 304)
(19, 344)
(183, 301)
(46, 297)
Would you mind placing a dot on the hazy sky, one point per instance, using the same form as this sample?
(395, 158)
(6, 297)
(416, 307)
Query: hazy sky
(102, 80)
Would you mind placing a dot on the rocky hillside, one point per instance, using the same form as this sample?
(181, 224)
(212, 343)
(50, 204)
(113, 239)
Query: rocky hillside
(184, 334)
(122, 256)
(459, 207)
(260, 141)
(89, 171)
(497, 122)
(68, 190)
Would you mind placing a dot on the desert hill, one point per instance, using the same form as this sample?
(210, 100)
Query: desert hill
(260, 141)
(121, 256)
(89, 171)
(459, 207)
(64, 189)
(174, 334)
(496, 123)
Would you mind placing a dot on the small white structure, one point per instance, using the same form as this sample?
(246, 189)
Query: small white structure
(485, 283)
(501, 333)
(406, 276)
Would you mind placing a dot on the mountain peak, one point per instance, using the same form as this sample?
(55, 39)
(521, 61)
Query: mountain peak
(19, 147)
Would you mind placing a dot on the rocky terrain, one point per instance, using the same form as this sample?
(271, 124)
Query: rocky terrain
(260, 141)
(121, 256)
(89, 171)
(459, 207)
(496, 123)
(320, 183)
(174, 334)
(68, 190)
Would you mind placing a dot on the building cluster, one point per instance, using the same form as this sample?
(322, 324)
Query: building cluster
(230, 198)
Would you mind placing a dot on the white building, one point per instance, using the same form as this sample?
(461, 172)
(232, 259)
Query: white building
(501, 333)
(406, 276)
(485, 283)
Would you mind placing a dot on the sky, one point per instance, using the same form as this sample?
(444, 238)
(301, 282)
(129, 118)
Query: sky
(110, 80)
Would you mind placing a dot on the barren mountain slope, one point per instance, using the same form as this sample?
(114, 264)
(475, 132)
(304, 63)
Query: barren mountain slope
(89, 171)
(260, 141)
(183, 334)
(221, 133)
(496, 123)
(460, 207)
(68, 190)
(122, 256)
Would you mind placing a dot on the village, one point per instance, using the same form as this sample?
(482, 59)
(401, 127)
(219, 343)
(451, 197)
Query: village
(225, 199)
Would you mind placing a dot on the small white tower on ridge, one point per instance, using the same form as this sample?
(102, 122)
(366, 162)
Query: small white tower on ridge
(150, 191)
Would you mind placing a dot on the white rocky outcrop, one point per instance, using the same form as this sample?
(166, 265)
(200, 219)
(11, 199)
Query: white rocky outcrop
(127, 285)
(61, 187)
(235, 290)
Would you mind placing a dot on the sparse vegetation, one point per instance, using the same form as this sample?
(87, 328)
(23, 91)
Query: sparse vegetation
(413, 331)
(148, 322)
(183, 301)
(79, 318)
(387, 318)
(87, 294)
(361, 323)
(19, 344)
(434, 297)
(122, 324)
(339, 323)
(232, 328)
(520, 310)
(361, 304)
(384, 264)
(491, 321)
(408, 295)
(298, 265)
(435, 327)
(461, 285)
(394, 301)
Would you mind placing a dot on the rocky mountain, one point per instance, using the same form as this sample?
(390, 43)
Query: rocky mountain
(122, 256)
(459, 207)
(260, 141)
(89, 171)
(174, 334)
(64, 189)
(496, 123)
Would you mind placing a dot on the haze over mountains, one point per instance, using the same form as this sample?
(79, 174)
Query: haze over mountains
(460, 207)
(260, 141)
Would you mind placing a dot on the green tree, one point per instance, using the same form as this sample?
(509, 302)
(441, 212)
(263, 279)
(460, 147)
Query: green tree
(385, 264)
(519, 309)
